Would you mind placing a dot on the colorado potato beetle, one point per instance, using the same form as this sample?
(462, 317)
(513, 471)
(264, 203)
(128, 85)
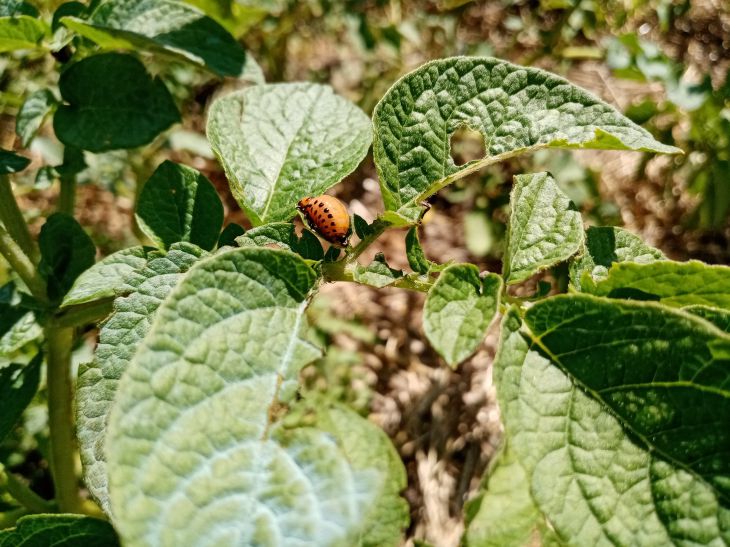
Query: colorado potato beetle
(328, 217)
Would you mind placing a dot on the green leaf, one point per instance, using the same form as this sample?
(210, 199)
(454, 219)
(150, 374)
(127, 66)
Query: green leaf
(544, 227)
(66, 251)
(105, 278)
(589, 478)
(21, 32)
(283, 235)
(178, 203)
(35, 109)
(124, 108)
(458, 310)
(663, 372)
(505, 515)
(376, 274)
(676, 284)
(120, 335)
(10, 162)
(416, 257)
(517, 109)
(719, 318)
(59, 531)
(18, 385)
(22, 338)
(279, 143)
(10, 8)
(229, 235)
(190, 436)
(165, 26)
(605, 246)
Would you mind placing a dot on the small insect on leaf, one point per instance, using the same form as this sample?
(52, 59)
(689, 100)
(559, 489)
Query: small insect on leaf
(328, 217)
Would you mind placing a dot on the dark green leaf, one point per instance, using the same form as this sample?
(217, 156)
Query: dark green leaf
(663, 372)
(162, 25)
(605, 246)
(10, 162)
(59, 531)
(416, 257)
(8, 8)
(229, 234)
(458, 310)
(18, 385)
(283, 234)
(362, 228)
(36, 107)
(178, 203)
(112, 103)
(67, 9)
(719, 318)
(332, 254)
(66, 251)
(73, 162)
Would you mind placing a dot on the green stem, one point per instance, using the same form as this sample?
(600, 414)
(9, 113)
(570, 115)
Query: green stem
(341, 271)
(377, 228)
(23, 494)
(82, 314)
(22, 265)
(67, 197)
(15, 224)
(9, 518)
(60, 419)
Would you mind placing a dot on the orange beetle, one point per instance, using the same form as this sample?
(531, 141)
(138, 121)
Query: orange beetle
(327, 216)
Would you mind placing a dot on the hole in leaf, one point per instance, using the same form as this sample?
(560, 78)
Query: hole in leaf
(467, 145)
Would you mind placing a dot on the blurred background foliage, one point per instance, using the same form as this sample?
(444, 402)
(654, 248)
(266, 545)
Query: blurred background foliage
(665, 63)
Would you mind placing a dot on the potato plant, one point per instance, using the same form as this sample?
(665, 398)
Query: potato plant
(615, 396)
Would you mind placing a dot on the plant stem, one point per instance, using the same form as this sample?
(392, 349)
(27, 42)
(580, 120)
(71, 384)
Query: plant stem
(67, 197)
(60, 419)
(340, 271)
(22, 265)
(377, 227)
(15, 224)
(23, 494)
(83, 314)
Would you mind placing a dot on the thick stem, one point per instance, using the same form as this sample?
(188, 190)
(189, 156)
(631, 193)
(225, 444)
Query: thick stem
(22, 265)
(15, 224)
(60, 419)
(67, 197)
(23, 494)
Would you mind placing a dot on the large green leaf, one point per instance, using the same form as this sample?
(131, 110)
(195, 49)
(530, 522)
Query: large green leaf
(591, 479)
(59, 531)
(677, 284)
(124, 107)
(107, 277)
(35, 109)
(458, 310)
(146, 287)
(21, 32)
(66, 251)
(606, 245)
(664, 373)
(178, 203)
(544, 227)
(517, 109)
(18, 385)
(279, 143)
(195, 455)
(162, 25)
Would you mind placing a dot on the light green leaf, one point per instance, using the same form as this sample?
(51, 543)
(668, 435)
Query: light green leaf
(10, 162)
(107, 277)
(16, 341)
(59, 531)
(178, 203)
(605, 246)
(193, 454)
(517, 109)
(165, 26)
(66, 251)
(21, 32)
(283, 235)
(458, 310)
(279, 143)
(120, 335)
(663, 372)
(544, 227)
(18, 385)
(505, 515)
(376, 274)
(587, 476)
(676, 284)
(35, 109)
(125, 107)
